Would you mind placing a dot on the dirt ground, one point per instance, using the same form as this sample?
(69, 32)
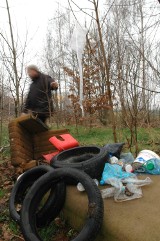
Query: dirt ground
(9, 230)
(7, 178)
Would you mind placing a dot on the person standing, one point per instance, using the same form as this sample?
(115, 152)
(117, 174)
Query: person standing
(39, 99)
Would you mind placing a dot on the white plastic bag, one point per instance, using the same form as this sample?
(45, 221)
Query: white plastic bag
(78, 41)
(138, 182)
(118, 191)
(136, 192)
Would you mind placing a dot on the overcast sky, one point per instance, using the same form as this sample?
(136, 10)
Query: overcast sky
(35, 14)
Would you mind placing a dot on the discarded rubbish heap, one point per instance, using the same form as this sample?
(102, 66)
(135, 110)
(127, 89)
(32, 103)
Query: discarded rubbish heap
(86, 167)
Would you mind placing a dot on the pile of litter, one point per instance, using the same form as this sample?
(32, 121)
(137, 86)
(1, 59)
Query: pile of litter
(121, 173)
(86, 167)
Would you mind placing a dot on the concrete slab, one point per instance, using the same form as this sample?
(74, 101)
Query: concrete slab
(136, 220)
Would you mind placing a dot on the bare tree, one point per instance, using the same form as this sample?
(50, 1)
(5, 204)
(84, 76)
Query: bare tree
(120, 66)
(13, 54)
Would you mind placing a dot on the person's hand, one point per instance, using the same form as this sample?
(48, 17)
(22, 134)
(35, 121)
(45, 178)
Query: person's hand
(54, 85)
(23, 114)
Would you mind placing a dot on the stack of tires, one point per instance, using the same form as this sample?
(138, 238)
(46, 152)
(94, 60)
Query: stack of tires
(79, 164)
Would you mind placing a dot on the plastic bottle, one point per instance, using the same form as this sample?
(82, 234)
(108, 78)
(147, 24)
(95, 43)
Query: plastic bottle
(108, 192)
(149, 165)
(113, 160)
(153, 166)
(81, 188)
(128, 168)
(142, 168)
(113, 192)
(127, 158)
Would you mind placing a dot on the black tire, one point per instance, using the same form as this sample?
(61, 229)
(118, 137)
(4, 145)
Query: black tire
(90, 159)
(56, 197)
(37, 191)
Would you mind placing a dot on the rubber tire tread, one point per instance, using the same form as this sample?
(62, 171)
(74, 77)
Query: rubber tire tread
(93, 167)
(56, 197)
(95, 211)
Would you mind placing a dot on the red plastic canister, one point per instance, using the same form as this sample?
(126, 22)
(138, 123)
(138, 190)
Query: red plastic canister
(64, 142)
